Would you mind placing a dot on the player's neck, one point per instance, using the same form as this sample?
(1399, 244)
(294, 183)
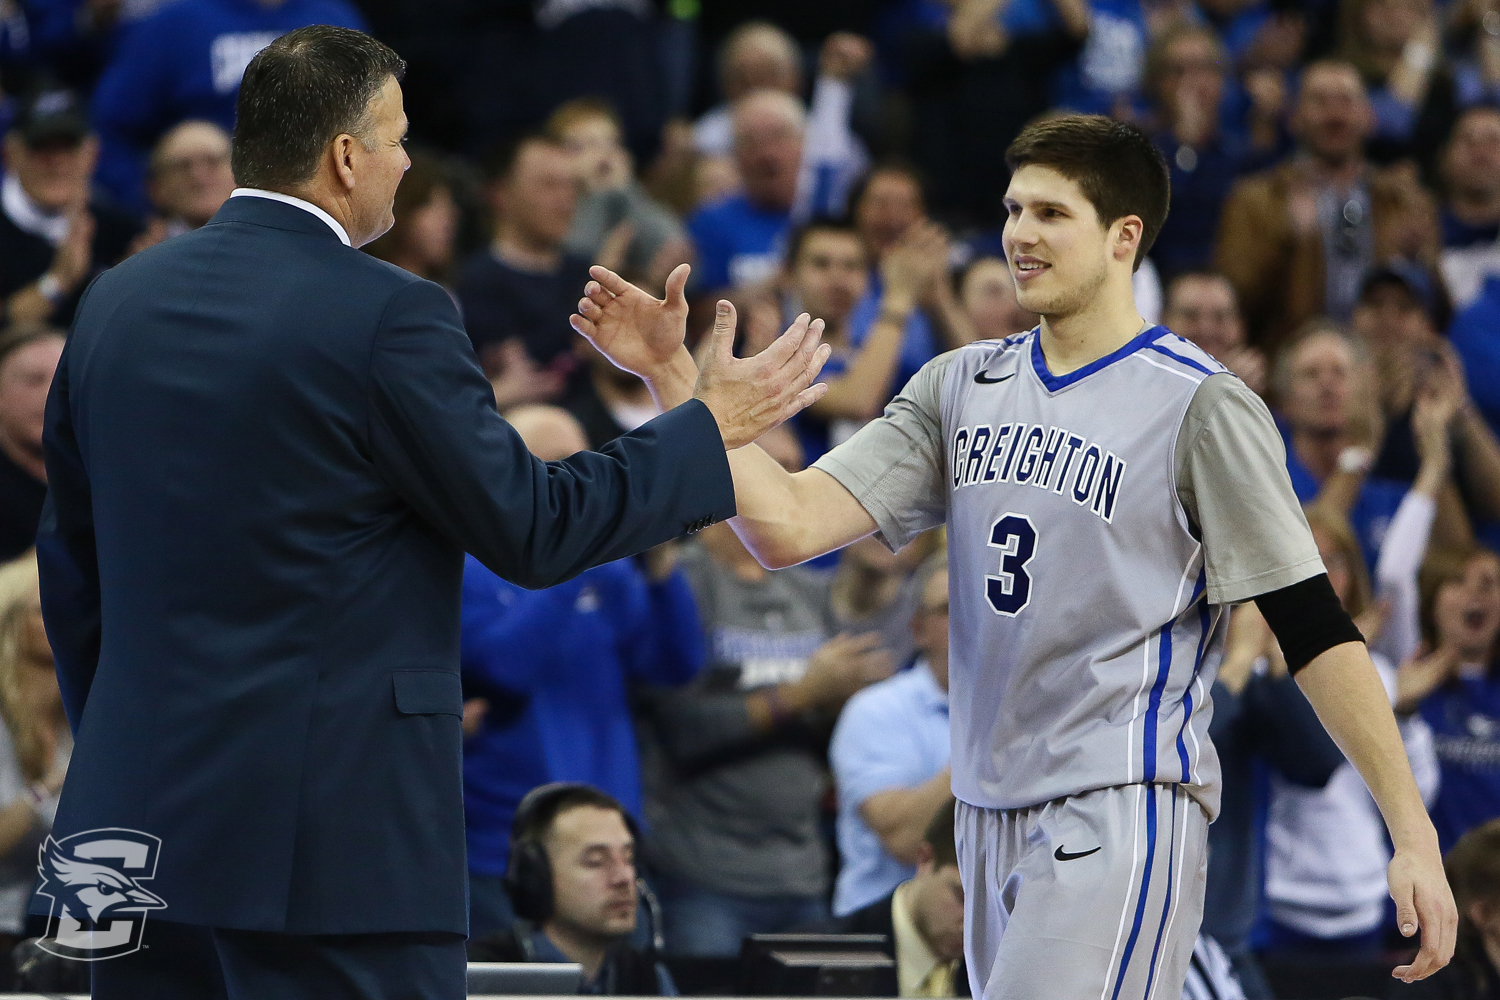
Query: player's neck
(1107, 323)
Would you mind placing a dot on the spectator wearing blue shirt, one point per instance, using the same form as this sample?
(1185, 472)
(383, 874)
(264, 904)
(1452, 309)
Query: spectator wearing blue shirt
(1106, 76)
(889, 756)
(791, 169)
(1318, 381)
(889, 206)
(739, 239)
(555, 666)
(185, 61)
(1470, 209)
(1475, 335)
(1185, 73)
(827, 278)
(1456, 687)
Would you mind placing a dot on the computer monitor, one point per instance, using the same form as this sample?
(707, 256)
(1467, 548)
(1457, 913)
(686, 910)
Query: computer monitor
(524, 978)
(819, 965)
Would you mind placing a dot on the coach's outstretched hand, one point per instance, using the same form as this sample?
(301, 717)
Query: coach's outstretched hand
(643, 334)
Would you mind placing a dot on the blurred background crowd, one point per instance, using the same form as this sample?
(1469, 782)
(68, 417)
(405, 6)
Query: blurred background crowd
(768, 750)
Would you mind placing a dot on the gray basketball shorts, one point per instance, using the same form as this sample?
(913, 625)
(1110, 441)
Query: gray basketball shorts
(1092, 897)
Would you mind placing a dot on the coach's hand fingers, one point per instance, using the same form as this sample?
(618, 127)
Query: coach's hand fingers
(582, 326)
(807, 350)
(588, 307)
(775, 357)
(598, 294)
(610, 281)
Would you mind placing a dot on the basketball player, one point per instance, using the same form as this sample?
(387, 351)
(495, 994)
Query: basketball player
(1110, 491)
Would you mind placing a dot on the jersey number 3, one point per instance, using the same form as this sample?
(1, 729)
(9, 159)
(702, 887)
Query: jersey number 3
(1010, 591)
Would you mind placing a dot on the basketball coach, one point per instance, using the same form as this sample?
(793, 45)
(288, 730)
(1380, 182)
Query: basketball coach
(267, 454)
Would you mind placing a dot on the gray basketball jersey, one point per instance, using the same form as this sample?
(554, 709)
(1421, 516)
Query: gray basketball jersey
(1083, 643)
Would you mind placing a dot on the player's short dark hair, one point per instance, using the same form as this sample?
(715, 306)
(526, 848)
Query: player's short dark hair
(1114, 163)
(501, 162)
(298, 94)
(939, 835)
(799, 236)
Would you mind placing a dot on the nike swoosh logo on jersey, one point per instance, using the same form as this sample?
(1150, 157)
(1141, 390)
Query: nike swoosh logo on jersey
(1063, 855)
(982, 380)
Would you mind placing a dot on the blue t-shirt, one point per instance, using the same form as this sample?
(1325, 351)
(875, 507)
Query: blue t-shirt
(554, 665)
(1475, 335)
(1201, 179)
(1373, 508)
(919, 345)
(738, 243)
(1465, 720)
(1112, 61)
(1457, 233)
(185, 61)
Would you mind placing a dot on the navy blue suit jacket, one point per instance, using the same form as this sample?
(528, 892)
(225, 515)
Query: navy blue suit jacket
(267, 454)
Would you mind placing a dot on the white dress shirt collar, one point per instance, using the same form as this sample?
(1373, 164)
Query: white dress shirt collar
(306, 206)
(28, 215)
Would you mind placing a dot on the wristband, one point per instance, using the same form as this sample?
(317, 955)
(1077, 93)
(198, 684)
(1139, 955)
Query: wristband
(1307, 619)
(1355, 459)
(50, 288)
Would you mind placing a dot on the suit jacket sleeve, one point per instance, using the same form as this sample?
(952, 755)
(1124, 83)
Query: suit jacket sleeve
(66, 558)
(439, 443)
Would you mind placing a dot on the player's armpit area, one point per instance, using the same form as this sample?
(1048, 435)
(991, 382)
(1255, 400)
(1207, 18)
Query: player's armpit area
(1307, 620)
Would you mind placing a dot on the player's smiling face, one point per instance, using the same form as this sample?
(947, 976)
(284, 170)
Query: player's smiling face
(1056, 246)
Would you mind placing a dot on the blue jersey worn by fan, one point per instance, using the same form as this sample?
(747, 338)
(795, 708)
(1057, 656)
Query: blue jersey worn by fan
(555, 665)
(185, 61)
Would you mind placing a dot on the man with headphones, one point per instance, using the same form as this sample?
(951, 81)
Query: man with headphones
(572, 881)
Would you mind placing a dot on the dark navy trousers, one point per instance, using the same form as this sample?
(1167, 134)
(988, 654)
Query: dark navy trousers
(184, 962)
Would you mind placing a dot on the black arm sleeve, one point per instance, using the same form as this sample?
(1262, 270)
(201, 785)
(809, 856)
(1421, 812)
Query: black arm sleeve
(1307, 619)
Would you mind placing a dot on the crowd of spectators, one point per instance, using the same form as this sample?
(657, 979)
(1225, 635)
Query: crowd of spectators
(768, 750)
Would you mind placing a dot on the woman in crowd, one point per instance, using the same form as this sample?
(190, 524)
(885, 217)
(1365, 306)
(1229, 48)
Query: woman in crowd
(1326, 853)
(35, 742)
(423, 238)
(1456, 686)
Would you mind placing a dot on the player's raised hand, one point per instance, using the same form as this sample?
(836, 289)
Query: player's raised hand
(749, 396)
(1423, 903)
(634, 329)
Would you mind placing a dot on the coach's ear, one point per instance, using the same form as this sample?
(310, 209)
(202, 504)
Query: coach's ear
(1125, 238)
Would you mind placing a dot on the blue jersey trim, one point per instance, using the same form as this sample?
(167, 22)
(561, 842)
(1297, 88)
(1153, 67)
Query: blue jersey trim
(1179, 358)
(1187, 695)
(1140, 903)
(1056, 382)
(1153, 706)
(1166, 906)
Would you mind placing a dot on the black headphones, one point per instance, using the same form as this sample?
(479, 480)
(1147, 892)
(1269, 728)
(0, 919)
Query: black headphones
(528, 874)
